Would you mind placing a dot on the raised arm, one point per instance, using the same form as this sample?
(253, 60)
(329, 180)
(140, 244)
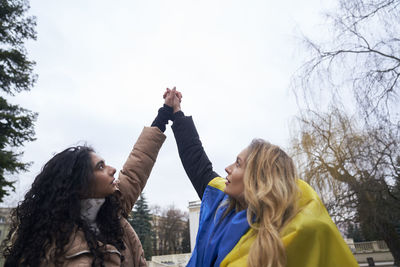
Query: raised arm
(194, 159)
(138, 166)
(140, 162)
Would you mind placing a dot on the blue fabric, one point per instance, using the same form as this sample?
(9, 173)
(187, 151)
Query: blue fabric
(216, 237)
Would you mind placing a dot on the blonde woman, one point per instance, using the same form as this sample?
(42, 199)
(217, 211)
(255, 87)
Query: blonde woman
(261, 214)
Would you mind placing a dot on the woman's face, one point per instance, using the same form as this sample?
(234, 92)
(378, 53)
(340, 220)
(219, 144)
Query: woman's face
(103, 183)
(234, 180)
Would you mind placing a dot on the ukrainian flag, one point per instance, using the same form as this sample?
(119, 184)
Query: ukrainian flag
(311, 238)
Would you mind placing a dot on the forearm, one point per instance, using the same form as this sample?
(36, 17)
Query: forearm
(165, 113)
(138, 166)
(194, 159)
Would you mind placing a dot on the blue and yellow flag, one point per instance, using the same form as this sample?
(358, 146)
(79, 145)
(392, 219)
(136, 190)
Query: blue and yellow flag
(311, 238)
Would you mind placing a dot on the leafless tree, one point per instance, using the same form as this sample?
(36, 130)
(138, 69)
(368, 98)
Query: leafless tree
(169, 226)
(359, 59)
(355, 170)
(348, 131)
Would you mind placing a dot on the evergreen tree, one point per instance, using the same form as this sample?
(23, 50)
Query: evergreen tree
(16, 123)
(141, 222)
(354, 232)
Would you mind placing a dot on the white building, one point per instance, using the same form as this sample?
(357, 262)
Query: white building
(194, 215)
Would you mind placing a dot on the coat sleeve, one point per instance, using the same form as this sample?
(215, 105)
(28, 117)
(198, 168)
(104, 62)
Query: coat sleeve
(137, 168)
(194, 159)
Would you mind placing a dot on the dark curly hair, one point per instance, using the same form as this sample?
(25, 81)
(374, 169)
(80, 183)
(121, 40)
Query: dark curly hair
(51, 213)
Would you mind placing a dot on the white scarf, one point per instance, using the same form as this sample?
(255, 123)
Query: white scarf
(89, 209)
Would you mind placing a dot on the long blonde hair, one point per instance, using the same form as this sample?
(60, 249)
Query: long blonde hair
(270, 193)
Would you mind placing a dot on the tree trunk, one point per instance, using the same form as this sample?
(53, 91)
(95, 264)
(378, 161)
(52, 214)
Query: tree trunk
(392, 240)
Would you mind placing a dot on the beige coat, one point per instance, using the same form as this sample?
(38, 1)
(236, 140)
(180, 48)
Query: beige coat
(133, 178)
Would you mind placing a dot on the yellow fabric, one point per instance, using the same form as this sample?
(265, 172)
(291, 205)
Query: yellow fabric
(311, 238)
(218, 182)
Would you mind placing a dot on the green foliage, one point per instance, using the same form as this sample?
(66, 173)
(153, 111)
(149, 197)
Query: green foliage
(15, 28)
(361, 233)
(141, 222)
(354, 232)
(16, 123)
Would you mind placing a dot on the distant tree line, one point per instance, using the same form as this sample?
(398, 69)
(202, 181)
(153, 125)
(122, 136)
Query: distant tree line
(162, 231)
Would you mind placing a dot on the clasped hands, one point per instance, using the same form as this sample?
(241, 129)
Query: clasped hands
(173, 99)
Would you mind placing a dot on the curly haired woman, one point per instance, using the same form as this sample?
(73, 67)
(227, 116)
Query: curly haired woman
(261, 215)
(75, 213)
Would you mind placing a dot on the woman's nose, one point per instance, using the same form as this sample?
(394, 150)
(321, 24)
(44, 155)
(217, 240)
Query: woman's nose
(227, 169)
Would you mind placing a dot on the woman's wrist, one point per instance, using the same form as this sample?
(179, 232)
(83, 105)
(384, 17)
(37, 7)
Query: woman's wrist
(169, 109)
(165, 113)
(178, 114)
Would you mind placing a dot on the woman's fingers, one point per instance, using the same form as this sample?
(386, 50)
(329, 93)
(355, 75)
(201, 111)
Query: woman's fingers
(172, 93)
(179, 95)
(166, 93)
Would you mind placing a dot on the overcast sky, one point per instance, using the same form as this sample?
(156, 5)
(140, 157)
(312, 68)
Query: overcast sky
(103, 67)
